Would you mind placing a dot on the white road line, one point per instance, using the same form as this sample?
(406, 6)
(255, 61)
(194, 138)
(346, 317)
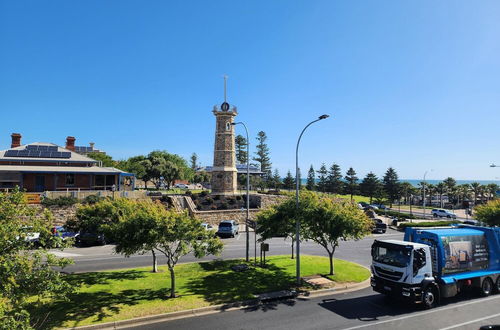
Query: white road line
(437, 310)
(238, 237)
(470, 322)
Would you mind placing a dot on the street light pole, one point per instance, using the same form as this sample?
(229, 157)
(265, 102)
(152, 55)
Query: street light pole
(424, 192)
(297, 221)
(248, 194)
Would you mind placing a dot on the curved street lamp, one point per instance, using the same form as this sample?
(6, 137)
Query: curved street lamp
(297, 222)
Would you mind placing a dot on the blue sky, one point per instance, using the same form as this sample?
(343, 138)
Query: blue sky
(408, 84)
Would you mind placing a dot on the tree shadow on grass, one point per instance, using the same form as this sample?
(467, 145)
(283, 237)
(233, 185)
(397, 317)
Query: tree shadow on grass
(225, 285)
(103, 277)
(101, 304)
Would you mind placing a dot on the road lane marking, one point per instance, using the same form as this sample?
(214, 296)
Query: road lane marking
(238, 237)
(437, 310)
(470, 322)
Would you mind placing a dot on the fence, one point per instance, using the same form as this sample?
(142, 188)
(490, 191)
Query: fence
(82, 194)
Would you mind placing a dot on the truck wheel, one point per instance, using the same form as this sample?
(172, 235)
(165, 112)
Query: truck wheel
(497, 286)
(486, 287)
(429, 297)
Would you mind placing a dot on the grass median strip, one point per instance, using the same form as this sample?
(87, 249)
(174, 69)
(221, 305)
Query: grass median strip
(125, 294)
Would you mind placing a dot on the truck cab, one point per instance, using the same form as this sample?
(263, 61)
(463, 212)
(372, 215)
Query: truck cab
(400, 268)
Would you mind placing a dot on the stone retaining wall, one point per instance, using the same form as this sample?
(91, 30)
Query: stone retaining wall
(61, 213)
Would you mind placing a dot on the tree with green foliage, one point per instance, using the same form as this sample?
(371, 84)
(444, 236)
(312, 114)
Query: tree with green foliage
(476, 189)
(134, 165)
(489, 213)
(391, 185)
(334, 182)
(161, 166)
(492, 189)
(289, 181)
(262, 156)
(311, 182)
(194, 161)
(105, 160)
(241, 149)
(27, 276)
(324, 221)
(451, 189)
(351, 184)
(153, 228)
(368, 187)
(440, 189)
(322, 178)
(276, 179)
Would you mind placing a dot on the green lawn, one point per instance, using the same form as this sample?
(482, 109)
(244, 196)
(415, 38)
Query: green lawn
(124, 294)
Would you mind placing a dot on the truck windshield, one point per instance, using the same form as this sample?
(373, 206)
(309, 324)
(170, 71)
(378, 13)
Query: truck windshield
(394, 255)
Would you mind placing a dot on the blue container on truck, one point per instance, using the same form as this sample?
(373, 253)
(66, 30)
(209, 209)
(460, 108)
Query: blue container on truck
(435, 263)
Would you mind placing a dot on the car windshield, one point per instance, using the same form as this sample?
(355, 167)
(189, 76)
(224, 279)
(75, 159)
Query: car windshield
(225, 224)
(391, 255)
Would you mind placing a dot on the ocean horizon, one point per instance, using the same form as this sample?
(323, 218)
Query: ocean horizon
(415, 182)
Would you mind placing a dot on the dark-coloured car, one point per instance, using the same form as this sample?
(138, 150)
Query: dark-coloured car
(228, 228)
(87, 238)
(379, 226)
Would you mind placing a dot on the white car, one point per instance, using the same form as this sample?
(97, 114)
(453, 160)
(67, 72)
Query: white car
(181, 186)
(439, 213)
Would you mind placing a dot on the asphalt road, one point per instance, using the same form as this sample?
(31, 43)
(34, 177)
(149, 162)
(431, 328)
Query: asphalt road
(362, 309)
(103, 257)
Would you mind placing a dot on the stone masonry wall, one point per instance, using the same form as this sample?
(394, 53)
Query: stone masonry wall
(61, 213)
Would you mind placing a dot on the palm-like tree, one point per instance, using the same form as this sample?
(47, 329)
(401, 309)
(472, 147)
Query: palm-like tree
(476, 189)
(440, 189)
(451, 185)
(492, 189)
(463, 192)
(430, 189)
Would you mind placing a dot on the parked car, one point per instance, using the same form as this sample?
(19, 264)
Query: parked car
(440, 213)
(380, 206)
(228, 228)
(60, 231)
(30, 236)
(379, 226)
(87, 238)
(208, 227)
(181, 186)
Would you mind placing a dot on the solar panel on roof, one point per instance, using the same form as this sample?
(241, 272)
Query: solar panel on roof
(45, 154)
(52, 148)
(11, 153)
(43, 148)
(65, 154)
(31, 147)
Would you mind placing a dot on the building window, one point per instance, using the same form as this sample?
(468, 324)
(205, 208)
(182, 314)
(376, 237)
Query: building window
(70, 179)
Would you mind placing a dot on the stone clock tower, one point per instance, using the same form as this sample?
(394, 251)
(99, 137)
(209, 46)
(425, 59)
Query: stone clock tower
(224, 170)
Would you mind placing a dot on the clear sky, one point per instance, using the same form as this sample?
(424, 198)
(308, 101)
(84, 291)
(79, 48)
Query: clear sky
(409, 84)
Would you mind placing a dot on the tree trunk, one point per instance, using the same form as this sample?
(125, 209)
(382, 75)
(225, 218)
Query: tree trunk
(293, 241)
(155, 262)
(172, 282)
(331, 263)
(371, 198)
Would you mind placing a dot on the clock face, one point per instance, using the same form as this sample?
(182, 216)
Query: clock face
(224, 106)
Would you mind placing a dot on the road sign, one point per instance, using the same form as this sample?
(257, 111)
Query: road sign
(251, 223)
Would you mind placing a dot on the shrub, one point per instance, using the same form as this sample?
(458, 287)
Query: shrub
(396, 214)
(213, 207)
(188, 193)
(216, 197)
(231, 201)
(92, 199)
(427, 224)
(238, 198)
(223, 206)
(489, 213)
(203, 193)
(60, 201)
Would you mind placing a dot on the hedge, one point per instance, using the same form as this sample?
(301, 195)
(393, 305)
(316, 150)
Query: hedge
(395, 214)
(427, 224)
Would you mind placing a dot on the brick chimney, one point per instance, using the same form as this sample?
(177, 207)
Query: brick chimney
(70, 143)
(16, 140)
